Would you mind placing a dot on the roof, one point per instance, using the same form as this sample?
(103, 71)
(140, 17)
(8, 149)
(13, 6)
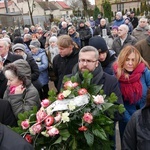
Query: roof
(63, 4)
(2, 4)
(47, 5)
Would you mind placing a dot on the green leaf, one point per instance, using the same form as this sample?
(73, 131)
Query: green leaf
(59, 140)
(112, 98)
(99, 132)
(64, 134)
(73, 144)
(89, 138)
(106, 106)
(121, 108)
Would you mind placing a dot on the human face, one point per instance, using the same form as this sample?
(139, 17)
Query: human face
(34, 50)
(71, 31)
(103, 22)
(3, 49)
(19, 52)
(65, 51)
(87, 61)
(102, 56)
(114, 31)
(12, 79)
(52, 44)
(122, 31)
(129, 64)
(142, 23)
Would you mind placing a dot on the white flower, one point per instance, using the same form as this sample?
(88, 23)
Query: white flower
(65, 117)
(99, 99)
(49, 111)
(44, 133)
(66, 93)
(71, 105)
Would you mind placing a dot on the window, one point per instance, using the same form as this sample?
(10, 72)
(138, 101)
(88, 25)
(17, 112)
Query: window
(120, 7)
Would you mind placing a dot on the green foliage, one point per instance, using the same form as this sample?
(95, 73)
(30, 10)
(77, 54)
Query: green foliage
(96, 12)
(107, 10)
(97, 133)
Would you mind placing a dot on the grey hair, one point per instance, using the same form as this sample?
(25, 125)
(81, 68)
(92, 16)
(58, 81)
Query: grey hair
(28, 36)
(90, 49)
(4, 42)
(125, 27)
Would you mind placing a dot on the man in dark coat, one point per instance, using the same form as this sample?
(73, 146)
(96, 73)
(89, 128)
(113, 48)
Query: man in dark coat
(88, 60)
(9, 140)
(84, 33)
(7, 57)
(64, 62)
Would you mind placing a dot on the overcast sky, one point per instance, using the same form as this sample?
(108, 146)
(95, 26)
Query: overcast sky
(92, 1)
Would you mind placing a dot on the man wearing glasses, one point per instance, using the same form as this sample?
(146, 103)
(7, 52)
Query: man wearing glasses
(88, 60)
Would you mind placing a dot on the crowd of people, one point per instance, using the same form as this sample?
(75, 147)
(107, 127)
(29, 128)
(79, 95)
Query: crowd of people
(118, 56)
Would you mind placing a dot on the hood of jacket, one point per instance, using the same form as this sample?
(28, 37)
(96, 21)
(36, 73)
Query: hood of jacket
(23, 69)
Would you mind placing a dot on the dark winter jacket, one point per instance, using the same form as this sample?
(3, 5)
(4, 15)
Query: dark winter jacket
(144, 48)
(63, 66)
(10, 140)
(136, 135)
(117, 47)
(99, 29)
(6, 114)
(107, 64)
(85, 34)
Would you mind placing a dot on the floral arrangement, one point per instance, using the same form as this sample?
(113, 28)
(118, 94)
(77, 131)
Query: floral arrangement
(79, 117)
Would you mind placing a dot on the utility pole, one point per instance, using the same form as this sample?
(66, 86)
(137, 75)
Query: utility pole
(5, 2)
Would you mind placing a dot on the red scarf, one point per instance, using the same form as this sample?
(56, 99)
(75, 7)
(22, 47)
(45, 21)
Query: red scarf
(131, 88)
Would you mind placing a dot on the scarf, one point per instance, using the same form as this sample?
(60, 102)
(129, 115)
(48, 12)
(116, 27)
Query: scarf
(131, 88)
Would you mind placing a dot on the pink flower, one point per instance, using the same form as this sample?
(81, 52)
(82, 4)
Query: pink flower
(40, 115)
(53, 131)
(36, 128)
(82, 91)
(88, 117)
(82, 128)
(68, 85)
(60, 96)
(25, 124)
(45, 103)
(98, 99)
(58, 117)
(49, 121)
(75, 84)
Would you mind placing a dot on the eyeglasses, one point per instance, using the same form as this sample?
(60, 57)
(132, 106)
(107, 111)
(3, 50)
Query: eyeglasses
(87, 61)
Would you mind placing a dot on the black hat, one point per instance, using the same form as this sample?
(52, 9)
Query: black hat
(81, 21)
(99, 43)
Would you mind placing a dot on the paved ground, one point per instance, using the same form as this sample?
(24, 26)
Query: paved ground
(118, 146)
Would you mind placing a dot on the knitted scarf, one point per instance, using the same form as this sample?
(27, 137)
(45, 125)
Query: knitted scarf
(131, 88)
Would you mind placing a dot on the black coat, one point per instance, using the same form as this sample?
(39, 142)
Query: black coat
(85, 34)
(137, 132)
(6, 114)
(10, 140)
(3, 81)
(63, 66)
(98, 30)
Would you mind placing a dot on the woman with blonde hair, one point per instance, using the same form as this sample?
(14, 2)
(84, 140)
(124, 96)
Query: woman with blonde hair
(133, 75)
